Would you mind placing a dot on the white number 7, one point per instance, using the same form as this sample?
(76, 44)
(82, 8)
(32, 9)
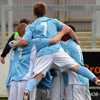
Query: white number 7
(45, 27)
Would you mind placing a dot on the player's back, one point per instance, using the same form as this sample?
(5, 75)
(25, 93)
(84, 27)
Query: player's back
(12, 67)
(75, 52)
(23, 59)
(45, 27)
(20, 63)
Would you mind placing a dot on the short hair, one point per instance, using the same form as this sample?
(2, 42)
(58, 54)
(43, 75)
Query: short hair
(72, 27)
(21, 29)
(39, 9)
(25, 20)
(67, 36)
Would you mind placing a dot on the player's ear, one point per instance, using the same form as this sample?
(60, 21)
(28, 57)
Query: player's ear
(33, 13)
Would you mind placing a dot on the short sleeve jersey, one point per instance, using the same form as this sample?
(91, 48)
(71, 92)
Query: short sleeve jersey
(74, 50)
(44, 27)
(22, 60)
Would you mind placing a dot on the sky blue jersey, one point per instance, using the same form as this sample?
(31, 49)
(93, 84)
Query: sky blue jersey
(20, 60)
(44, 27)
(74, 50)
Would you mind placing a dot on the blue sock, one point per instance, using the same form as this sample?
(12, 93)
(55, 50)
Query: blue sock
(31, 84)
(86, 73)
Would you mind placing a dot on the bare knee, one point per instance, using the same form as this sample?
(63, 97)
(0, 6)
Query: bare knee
(38, 77)
(74, 68)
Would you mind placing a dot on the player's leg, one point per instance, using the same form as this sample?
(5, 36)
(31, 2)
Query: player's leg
(86, 73)
(33, 94)
(31, 84)
(21, 89)
(13, 91)
(65, 62)
(30, 95)
(8, 91)
(57, 88)
(87, 93)
(75, 92)
(41, 67)
(47, 93)
(43, 94)
(38, 94)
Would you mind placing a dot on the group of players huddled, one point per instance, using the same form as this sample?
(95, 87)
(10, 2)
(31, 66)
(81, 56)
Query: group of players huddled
(42, 67)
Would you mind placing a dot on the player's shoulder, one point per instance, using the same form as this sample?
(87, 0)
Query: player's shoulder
(29, 27)
(54, 20)
(71, 41)
(68, 44)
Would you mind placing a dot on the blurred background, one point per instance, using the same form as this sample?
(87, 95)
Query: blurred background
(84, 15)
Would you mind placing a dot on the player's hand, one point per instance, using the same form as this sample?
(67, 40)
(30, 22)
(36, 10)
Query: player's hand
(78, 42)
(65, 30)
(18, 38)
(11, 42)
(14, 46)
(2, 60)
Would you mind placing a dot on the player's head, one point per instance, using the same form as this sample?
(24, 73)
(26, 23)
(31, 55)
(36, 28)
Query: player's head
(39, 9)
(21, 29)
(25, 20)
(67, 36)
(72, 27)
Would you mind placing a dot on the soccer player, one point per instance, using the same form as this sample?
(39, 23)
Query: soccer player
(43, 88)
(7, 47)
(44, 27)
(15, 82)
(22, 63)
(76, 86)
(13, 37)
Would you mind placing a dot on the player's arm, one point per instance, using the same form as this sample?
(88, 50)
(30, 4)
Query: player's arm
(21, 43)
(53, 40)
(6, 50)
(26, 38)
(73, 35)
(69, 30)
(58, 37)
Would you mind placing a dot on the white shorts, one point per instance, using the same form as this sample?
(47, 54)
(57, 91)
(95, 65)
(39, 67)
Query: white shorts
(61, 59)
(16, 91)
(8, 91)
(43, 94)
(70, 92)
(57, 88)
(77, 92)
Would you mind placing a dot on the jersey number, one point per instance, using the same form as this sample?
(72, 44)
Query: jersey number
(20, 53)
(45, 27)
(80, 53)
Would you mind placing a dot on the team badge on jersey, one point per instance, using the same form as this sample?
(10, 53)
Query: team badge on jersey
(39, 39)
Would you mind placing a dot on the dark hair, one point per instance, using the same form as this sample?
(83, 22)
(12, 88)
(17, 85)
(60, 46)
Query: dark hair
(72, 27)
(67, 36)
(39, 9)
(21, 29)
(25, 20)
